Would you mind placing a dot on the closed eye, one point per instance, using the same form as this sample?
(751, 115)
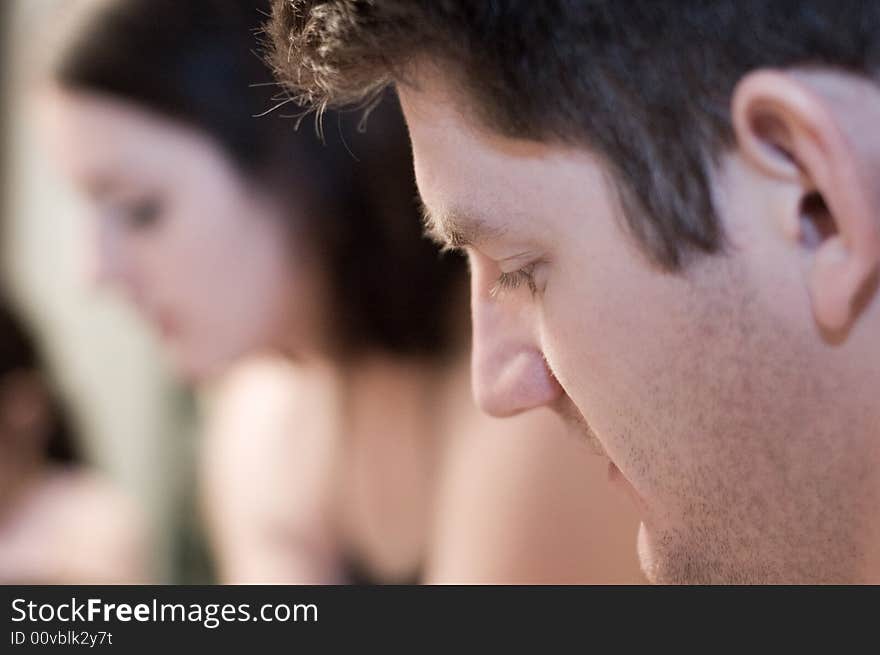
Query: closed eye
(514, 280)
(143, 214)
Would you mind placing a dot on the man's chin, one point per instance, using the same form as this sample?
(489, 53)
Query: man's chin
(646, 558)
(667, 562)
(668, 559)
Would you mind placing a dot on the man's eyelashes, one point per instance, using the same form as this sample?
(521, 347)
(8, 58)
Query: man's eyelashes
(514, 280)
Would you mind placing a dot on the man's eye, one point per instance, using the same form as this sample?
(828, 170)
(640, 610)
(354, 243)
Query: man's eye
(514, 280)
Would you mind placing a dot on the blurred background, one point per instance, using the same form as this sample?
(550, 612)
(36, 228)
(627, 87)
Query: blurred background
(136, 425)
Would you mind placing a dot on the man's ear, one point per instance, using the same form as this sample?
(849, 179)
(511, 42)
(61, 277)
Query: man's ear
(820, 131)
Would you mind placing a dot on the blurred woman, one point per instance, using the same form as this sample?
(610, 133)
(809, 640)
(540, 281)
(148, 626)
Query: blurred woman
(59, 523)
(350, 450)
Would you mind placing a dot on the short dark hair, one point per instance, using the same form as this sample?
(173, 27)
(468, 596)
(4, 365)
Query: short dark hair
(200, 62)
(644, 84)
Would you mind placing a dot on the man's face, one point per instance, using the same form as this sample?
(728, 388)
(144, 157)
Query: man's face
(734, 427)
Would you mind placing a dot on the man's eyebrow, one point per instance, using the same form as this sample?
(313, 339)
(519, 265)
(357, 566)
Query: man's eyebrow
(454, 229)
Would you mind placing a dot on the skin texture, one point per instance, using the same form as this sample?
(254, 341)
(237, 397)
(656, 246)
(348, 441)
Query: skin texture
(736, 397)
(303, 463)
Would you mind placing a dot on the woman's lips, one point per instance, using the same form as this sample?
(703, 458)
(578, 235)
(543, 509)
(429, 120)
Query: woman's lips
(165, 325)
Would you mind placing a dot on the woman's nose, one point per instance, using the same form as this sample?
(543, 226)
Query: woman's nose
(105, 264)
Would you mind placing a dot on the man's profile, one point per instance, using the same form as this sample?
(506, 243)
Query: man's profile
(672, 216)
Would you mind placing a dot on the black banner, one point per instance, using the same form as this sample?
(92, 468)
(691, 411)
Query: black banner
(397, 619)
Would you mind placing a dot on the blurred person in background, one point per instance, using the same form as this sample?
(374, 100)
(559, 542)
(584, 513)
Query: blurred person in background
(288, 274)
(59, 522)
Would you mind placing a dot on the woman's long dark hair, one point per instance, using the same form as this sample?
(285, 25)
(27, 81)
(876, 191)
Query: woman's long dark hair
(199, 62)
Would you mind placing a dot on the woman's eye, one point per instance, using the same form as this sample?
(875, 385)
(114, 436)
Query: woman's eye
(514, 280)
(143, 214)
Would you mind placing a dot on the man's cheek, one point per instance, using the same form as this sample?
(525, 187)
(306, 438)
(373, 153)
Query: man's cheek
(570, 335)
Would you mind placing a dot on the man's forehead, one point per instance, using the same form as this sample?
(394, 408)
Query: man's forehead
(426, 88)
(434, 108)
(480, 186)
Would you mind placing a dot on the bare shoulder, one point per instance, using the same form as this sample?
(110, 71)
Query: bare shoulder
(268, 406)
(272, 385)
(268, 447)
(103, 529)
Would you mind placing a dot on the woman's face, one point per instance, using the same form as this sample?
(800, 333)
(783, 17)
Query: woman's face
(203, 255)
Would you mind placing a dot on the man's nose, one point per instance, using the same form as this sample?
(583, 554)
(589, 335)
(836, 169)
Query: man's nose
(508, 369)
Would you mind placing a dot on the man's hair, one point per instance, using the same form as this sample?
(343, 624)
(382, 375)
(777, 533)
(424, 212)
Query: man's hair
(645, 85)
